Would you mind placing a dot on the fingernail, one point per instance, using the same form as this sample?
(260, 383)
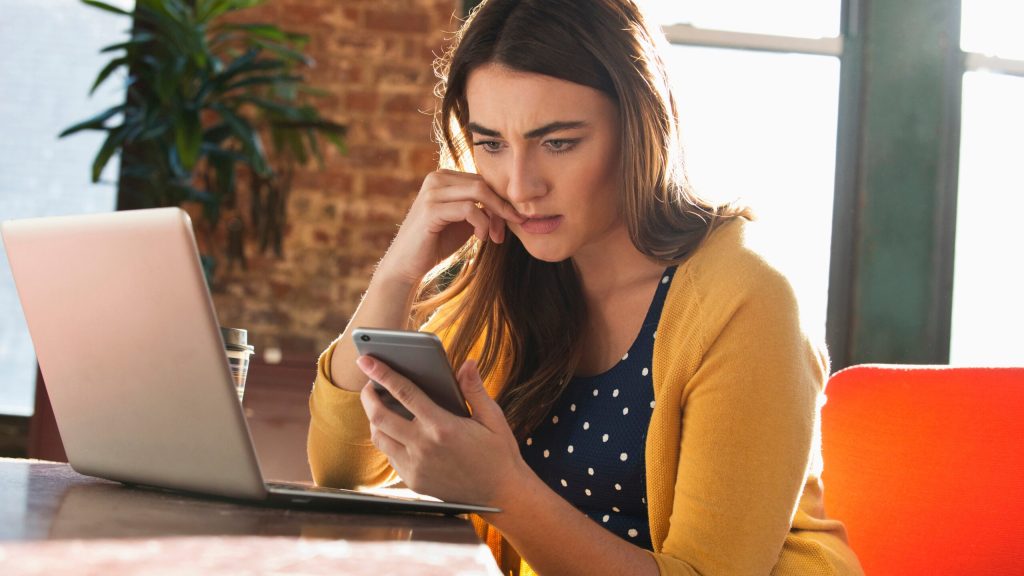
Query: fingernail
(365, 362)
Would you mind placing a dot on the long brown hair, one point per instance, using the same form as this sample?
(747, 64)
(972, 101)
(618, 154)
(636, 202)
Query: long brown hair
(531, 313)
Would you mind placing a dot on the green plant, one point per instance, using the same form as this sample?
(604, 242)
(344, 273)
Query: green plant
(202, 91)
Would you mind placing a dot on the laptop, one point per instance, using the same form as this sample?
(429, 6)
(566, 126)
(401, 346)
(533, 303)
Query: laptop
(130, 349)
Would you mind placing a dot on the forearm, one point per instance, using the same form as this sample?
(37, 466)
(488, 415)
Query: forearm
(386, 304)
(556, 538)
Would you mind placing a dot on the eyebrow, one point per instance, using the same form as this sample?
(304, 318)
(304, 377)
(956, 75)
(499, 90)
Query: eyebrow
(535, 133)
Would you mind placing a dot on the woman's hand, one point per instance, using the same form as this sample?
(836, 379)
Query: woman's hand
(450, 457)
(449, 208)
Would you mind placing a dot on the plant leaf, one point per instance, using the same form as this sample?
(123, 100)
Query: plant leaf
(273, 80)
(107, 7)
(216, 134)
(286, 52)
(313, 91)
(172, 30)
(233, 5)
(107, 71)
(335, 139)
(188, 136)
(314, 146)
(268, 31)
(114, 140)
(136, 39)
(94, 123)
(249, 138)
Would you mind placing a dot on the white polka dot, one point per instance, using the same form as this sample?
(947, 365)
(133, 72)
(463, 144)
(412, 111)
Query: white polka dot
(564, 483)
(625, 410)
(617, 485)
(595, 391)
(652, 403)
(572, 408)
(590, 471)
(654, 335)
(586, 425)
(570, 448)
(615, 393)
(547, 453)
(529, 441)
(554, 420)
(616, 509)
(605, 518)
(644, 500)
(632, 532)
(604, 438)
(664, 279)
(644, 372)
(587, 491)
(623, 456)
(626, 355)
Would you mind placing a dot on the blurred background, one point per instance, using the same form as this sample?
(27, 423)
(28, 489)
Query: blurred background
(878, 140)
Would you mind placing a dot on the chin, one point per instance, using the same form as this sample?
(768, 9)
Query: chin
(545, 250)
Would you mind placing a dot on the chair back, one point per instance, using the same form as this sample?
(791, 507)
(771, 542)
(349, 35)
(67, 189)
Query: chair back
(925, 466)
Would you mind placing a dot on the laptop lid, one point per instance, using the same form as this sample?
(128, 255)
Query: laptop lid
(128, 344)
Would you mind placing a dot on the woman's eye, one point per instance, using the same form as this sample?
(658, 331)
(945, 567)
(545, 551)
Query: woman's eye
(489, 145)
(563, 145)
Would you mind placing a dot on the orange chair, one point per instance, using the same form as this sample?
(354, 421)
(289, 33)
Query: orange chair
(925, 466)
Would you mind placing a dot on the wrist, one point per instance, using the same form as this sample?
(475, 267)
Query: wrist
(394, 277)
(515, 496)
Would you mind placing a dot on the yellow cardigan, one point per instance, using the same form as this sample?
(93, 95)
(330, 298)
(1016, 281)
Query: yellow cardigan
(733, 448)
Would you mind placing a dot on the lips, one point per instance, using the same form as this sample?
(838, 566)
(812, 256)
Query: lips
(541, 224)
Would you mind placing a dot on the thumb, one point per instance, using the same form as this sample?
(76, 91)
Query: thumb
(483, 406)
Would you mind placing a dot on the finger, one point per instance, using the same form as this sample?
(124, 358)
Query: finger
(394, 449)
(497, 228)
(454, 212)
(479, 220)
(484, 408)
(477, 190)
(407, 393)
(384, 419)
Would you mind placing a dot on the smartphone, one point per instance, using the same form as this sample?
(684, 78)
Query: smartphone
(420, 357)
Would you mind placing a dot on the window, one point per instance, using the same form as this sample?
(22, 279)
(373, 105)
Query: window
(988, 278)
(758, 90)
(51, 56)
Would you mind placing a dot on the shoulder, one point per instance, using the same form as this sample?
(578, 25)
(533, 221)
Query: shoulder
(735, 264)
(732, 283)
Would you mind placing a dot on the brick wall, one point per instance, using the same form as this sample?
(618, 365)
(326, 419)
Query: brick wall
(374, 57)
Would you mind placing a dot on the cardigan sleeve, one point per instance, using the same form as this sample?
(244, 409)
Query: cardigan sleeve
(338, 445)
(748, 407)
(339, 449)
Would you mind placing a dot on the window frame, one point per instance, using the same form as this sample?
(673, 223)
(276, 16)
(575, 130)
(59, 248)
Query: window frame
(846, 47)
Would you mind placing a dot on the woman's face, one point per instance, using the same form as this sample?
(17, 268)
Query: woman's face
(551, 148)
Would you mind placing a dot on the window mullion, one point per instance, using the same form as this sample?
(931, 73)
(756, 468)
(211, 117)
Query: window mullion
(694, 36)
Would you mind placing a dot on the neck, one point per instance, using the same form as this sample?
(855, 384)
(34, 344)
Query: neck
(613, 265)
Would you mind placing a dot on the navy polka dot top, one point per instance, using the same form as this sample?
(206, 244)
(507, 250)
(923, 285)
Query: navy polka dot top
(590, 448)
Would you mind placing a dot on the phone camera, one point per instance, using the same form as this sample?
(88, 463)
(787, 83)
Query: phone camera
(364, 338)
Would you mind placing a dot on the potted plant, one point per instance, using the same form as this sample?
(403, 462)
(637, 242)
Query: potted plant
(202, 93)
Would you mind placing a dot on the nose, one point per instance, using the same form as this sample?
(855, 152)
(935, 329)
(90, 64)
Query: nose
(525, 181)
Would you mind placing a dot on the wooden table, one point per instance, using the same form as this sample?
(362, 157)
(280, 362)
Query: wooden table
(56, 521)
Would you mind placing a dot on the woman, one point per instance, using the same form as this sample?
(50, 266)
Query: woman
(655, 399)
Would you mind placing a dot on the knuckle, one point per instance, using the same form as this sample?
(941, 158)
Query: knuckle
(403, 394)
(440, 434)
(376, 418)
(431, 179)
(480, 189)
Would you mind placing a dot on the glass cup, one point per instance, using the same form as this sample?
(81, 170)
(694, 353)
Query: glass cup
(238, 350)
